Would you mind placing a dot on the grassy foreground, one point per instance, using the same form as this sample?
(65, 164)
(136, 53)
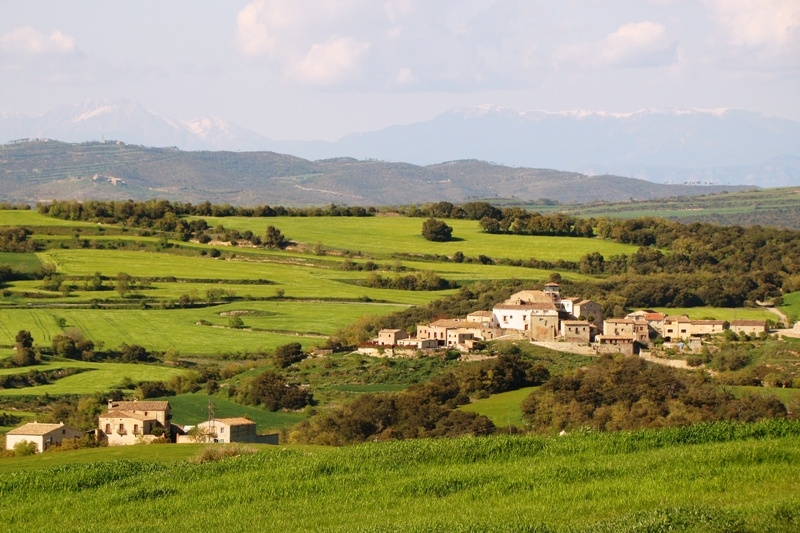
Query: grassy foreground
(720, 477)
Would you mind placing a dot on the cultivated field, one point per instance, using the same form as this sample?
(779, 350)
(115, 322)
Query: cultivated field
(718, 477)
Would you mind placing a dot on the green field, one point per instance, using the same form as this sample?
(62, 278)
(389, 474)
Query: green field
(100, 377)
(702, 478)
(21, 262)
(384, 236)
(191, 409)
(267, 324)
(502, 409)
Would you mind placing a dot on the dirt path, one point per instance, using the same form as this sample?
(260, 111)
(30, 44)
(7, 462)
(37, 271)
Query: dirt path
(778, 312)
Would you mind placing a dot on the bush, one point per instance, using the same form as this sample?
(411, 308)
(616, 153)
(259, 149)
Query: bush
(24, 448)
(436, 230)
(218, 453)
(288, 354)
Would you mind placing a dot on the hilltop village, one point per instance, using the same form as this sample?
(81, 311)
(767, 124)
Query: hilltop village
(547, 317)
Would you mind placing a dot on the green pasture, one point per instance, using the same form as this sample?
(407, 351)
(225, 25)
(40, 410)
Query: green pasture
(719, 313)
(191, 409)
(791, 305)
(179, 329)
(785, 395)
(99, 377)
(383, 236)
(21, 262)
(672, 480)
(502, 409)
(33, 218)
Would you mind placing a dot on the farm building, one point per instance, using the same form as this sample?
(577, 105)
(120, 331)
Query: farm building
(43, 435)
(390, 337)
(227, 430)
(132, 422)
(749, 327)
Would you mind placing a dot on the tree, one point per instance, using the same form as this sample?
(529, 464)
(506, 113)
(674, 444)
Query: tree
(235, 322)
(123, 285)
(436, 230)
(25, 355)
(288, 354)
(273, 238)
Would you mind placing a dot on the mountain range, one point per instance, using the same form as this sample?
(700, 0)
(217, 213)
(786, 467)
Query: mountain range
(659, 145)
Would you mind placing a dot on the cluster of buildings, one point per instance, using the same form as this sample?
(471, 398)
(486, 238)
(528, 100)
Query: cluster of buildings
(546, 316)
(138, 422)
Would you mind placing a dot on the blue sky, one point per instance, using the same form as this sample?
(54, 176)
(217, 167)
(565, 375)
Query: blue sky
(318, 69)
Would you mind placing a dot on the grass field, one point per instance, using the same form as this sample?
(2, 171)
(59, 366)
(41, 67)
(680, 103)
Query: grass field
(383, 236)
(710, 478)
(21, 262)
(100, 377)
(178, 328)
(502, 409)
(33, 218)
(791, 305)
(787, 396)
(191, 409)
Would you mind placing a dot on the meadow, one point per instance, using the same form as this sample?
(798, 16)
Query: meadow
(712, 477)
(95, 377)
(719, 313)
(383, 236)
(502, 409)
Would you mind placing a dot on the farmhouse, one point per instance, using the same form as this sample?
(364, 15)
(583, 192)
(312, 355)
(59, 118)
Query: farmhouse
(390, 337)
(636, 330)
(227, 430)
(43, 435)
(576, 330)
(708, 327)
(132, 422)
(676, 327)
(749, 327)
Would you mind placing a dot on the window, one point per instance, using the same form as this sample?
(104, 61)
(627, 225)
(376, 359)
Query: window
(108, 428)
(135, 429)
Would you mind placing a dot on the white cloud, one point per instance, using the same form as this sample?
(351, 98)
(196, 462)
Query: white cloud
(331, 62)
(774, 24)
(638, 44)
(388, 44)
(29, 42)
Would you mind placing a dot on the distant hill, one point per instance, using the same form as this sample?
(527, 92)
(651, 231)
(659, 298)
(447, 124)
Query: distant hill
(726, 146)
(35, 171)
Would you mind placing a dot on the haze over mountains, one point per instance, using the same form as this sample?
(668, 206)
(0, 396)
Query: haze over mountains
(659, 145)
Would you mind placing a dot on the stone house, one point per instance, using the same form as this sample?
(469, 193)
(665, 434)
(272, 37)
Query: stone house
(576, 330)
(130, 422)
(238, 429)
(637, 330)
(708, 327)
(43, 435)
(676, 327)
(749, 327)
(389, 337)
(589, 310)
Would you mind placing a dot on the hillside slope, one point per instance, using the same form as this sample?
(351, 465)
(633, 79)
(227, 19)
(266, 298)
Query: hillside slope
(43, 170)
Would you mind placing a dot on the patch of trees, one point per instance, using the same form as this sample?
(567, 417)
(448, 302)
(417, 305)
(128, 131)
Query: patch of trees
(418, 281)
(24, 353)
(164, 215)
(272, 391)
(517, 221)
(423, 410)
(436, 230)
(34, 378)
(15, 239)
(629, 393)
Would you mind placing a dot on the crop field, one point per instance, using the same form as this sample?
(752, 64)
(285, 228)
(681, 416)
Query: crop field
(98, 377)
(383, 236)
(719, 477)
(21, 262)
(502, 409)
(178, 329)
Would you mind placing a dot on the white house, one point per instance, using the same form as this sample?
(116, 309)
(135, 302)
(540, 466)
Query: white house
(43, 435)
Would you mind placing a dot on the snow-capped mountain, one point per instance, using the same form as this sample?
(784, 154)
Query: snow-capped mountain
(723, 146)
(98, 120)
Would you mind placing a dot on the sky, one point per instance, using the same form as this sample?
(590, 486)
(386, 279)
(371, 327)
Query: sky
(319, 69)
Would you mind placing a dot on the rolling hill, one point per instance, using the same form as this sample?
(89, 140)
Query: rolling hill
(33, 171)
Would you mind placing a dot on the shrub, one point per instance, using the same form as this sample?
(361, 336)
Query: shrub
(436, 230)
(218, 453)
(24, 448)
